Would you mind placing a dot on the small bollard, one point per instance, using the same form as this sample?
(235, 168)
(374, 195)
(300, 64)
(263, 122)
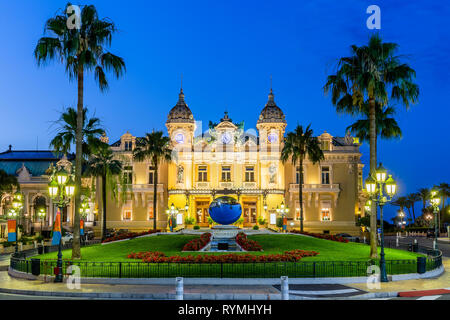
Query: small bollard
(284, 288)
(179, 289)
(364, 239)
(396, 242)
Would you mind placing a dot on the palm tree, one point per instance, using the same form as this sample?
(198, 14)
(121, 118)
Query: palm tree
(66, 135)
(386, 126)
(424, 194)
(155, 147)
(372, 73)
(80, 50)
(297, 145)
(8, 182)
(444, 192)
(402, 202)
(102, 164)
(412, 198)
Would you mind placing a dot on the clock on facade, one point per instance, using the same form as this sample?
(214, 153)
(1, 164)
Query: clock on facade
(179, 138)
(226, 138)
(273, 137)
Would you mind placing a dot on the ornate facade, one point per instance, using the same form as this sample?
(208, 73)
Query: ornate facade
(245, 164)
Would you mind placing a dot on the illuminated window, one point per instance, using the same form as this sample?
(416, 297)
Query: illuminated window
(325, 175)
(250, 174)
(360, 180)
(127, 215)
(128, 175)
(151, 175)
(226, 173)
(325, 213)
(150, 211)
(202, 173)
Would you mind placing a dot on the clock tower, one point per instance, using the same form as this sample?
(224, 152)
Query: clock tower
(271, 125)
(181, 124)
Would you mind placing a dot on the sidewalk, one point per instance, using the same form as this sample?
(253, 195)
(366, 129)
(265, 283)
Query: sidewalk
(158, 292)
(421, 286)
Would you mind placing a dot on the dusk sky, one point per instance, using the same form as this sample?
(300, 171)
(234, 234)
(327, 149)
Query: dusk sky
(226, 51)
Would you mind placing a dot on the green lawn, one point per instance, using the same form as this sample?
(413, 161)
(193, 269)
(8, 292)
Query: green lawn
(335, 259)
(172, 245)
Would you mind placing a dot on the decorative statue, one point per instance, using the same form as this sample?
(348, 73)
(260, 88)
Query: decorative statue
(180, 174)
(272, 173)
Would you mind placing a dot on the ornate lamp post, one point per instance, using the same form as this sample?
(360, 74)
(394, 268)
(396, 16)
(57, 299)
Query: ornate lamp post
(172, 211)
(17, 207)
(283, 210)
(61, 189)
(381, 191)
(41, 214)
(435, 201)
(401, 215)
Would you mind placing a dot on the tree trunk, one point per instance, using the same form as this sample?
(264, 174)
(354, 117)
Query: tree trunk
(300, 194)
(155, 189)
(373, 166)
(413, 213)
(76, 250)
(104, 206)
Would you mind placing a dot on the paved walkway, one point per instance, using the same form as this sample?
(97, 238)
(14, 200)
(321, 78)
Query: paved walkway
(209, 292)
(440, 282)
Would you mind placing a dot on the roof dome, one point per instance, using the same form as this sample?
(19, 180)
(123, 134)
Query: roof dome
(271, 112)
(181, 112)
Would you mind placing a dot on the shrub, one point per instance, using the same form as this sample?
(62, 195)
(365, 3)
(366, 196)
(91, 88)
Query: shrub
(280, 222)
(189, 221)
(129, 235)
(159, 257)
(255, 227)
(198, 243)
(246, 244)
(196, 227)
(322, 236)
(261, 221)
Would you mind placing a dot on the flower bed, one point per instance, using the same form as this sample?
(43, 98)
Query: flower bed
(321, 236)
(129, 235)
(159, 257)
(246, 244)
(199, 243)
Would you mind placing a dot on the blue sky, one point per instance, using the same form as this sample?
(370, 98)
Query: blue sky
(227, 51)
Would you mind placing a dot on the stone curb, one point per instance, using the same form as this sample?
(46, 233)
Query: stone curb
(148, 296)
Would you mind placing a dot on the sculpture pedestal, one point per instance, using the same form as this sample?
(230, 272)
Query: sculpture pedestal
(224, 238)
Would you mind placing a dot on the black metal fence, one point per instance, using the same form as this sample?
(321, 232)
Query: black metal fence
(309, 269)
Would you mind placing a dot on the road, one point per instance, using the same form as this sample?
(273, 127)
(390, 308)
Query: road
(423, 241)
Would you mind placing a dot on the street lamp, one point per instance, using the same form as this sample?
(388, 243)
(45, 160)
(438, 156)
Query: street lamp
(283, 210)
(41, 214)
(17, 205)
(401, 215)
(61, 189)
(172, 211)
(381, 191)
(435, 201)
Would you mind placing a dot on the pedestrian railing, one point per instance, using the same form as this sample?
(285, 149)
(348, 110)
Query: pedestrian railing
(306, 269)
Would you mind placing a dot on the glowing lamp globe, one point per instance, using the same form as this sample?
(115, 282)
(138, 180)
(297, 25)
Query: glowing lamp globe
(225, 210)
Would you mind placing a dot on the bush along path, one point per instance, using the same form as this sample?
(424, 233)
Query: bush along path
(160, 257)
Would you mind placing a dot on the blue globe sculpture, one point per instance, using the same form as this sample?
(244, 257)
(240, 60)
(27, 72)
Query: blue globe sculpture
(225, 210)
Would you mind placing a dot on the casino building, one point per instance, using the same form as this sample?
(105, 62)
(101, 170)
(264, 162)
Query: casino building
(228, 159)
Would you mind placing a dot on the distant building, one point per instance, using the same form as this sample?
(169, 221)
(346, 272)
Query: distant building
(30, 168)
